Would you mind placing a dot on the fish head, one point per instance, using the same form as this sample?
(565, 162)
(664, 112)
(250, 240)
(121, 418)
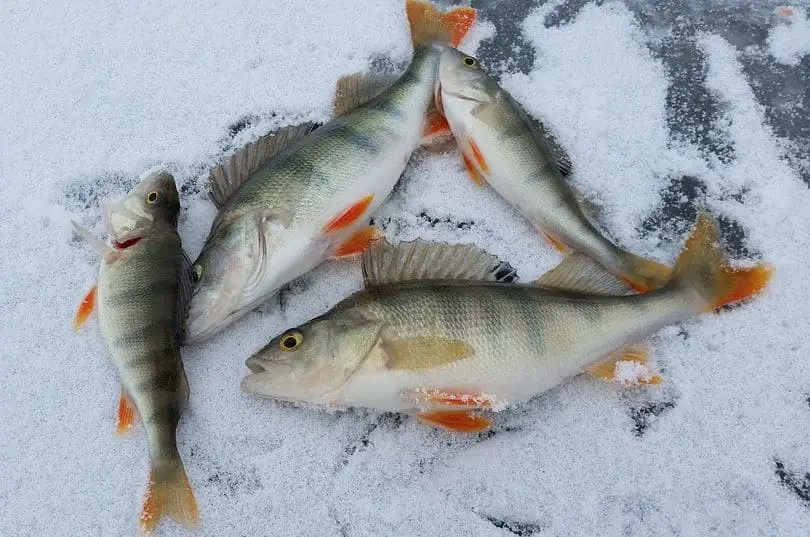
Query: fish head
(236, 270)
(461, 80)
(153, 203)
(308, 363)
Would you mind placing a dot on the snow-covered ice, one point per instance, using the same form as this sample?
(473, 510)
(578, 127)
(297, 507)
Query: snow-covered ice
(789, 41)
(94, 93)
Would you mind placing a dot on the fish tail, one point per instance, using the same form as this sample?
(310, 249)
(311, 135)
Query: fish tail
(642, 274)
(703, 265)
(168, 492)
(429, 25)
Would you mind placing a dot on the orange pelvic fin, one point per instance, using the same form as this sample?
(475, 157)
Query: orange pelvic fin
(608, 368)
(460, 421)
(479, 157)
(358, 242)
(472, 171)
(349, 216)
(168, 492)
(437, 137)
(556, 243)
(454, 398)
(126, 415)
(85, 308)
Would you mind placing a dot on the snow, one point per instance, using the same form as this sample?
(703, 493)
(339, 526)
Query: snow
(95, 93)
(789, 40)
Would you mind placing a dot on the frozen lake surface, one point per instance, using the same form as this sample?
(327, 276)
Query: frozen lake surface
(664, 106)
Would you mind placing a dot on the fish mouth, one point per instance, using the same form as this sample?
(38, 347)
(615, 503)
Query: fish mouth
(460, 96)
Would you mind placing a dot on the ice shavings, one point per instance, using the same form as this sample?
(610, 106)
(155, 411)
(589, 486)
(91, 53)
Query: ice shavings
(94, 93)
(789, 39)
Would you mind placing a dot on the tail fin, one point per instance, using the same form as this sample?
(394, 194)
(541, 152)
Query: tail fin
(703, 265)
(430, 25)
(643, 275)
(169, 493)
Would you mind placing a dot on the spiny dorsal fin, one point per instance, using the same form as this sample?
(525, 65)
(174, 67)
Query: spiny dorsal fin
(581, 274)
(384, 262)
(358, 89)
(227, 177)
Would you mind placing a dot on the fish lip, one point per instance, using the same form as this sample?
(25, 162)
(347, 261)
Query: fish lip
(254, 364)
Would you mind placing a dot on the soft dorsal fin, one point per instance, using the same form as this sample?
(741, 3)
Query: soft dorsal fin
(581, 274)
(359, 88)
(228, 176)
(384, 262)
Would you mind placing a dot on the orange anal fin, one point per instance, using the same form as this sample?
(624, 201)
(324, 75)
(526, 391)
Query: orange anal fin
(479, 157)
(349, 216)
(472, 171)
(557, 243)
(126, 415)
(459, 21)
(460, 421)
(168, 492)
(85, 308)
(626, 366)
(358, 242)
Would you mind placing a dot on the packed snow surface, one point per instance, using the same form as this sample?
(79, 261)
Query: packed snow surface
(92, 94)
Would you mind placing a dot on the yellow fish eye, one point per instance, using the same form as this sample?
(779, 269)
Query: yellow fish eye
(469, 62)
(196, 273)
(291, 340)
(153, 196)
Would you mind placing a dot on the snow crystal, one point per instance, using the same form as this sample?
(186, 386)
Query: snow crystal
(94, 93)
(789, 39)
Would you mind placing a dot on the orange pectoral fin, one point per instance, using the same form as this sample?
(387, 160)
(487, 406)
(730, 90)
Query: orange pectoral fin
(358, 242)
(126, 415)
(472, 171)
(85, 308)
(460, 421)
(349, 216)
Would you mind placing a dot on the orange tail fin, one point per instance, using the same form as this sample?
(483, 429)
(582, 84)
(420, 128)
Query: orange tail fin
(703, 265)
(429, 25)
(85, 308)
(169, 493)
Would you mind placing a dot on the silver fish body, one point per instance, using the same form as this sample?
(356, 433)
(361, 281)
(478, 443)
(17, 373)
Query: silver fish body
(142, 296)
(438, 347)
(501, 144)
(312, 197)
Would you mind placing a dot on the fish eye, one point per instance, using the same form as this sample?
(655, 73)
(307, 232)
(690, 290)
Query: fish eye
(153, 196)
(470, 62)
(291, 340)
(196, 273)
